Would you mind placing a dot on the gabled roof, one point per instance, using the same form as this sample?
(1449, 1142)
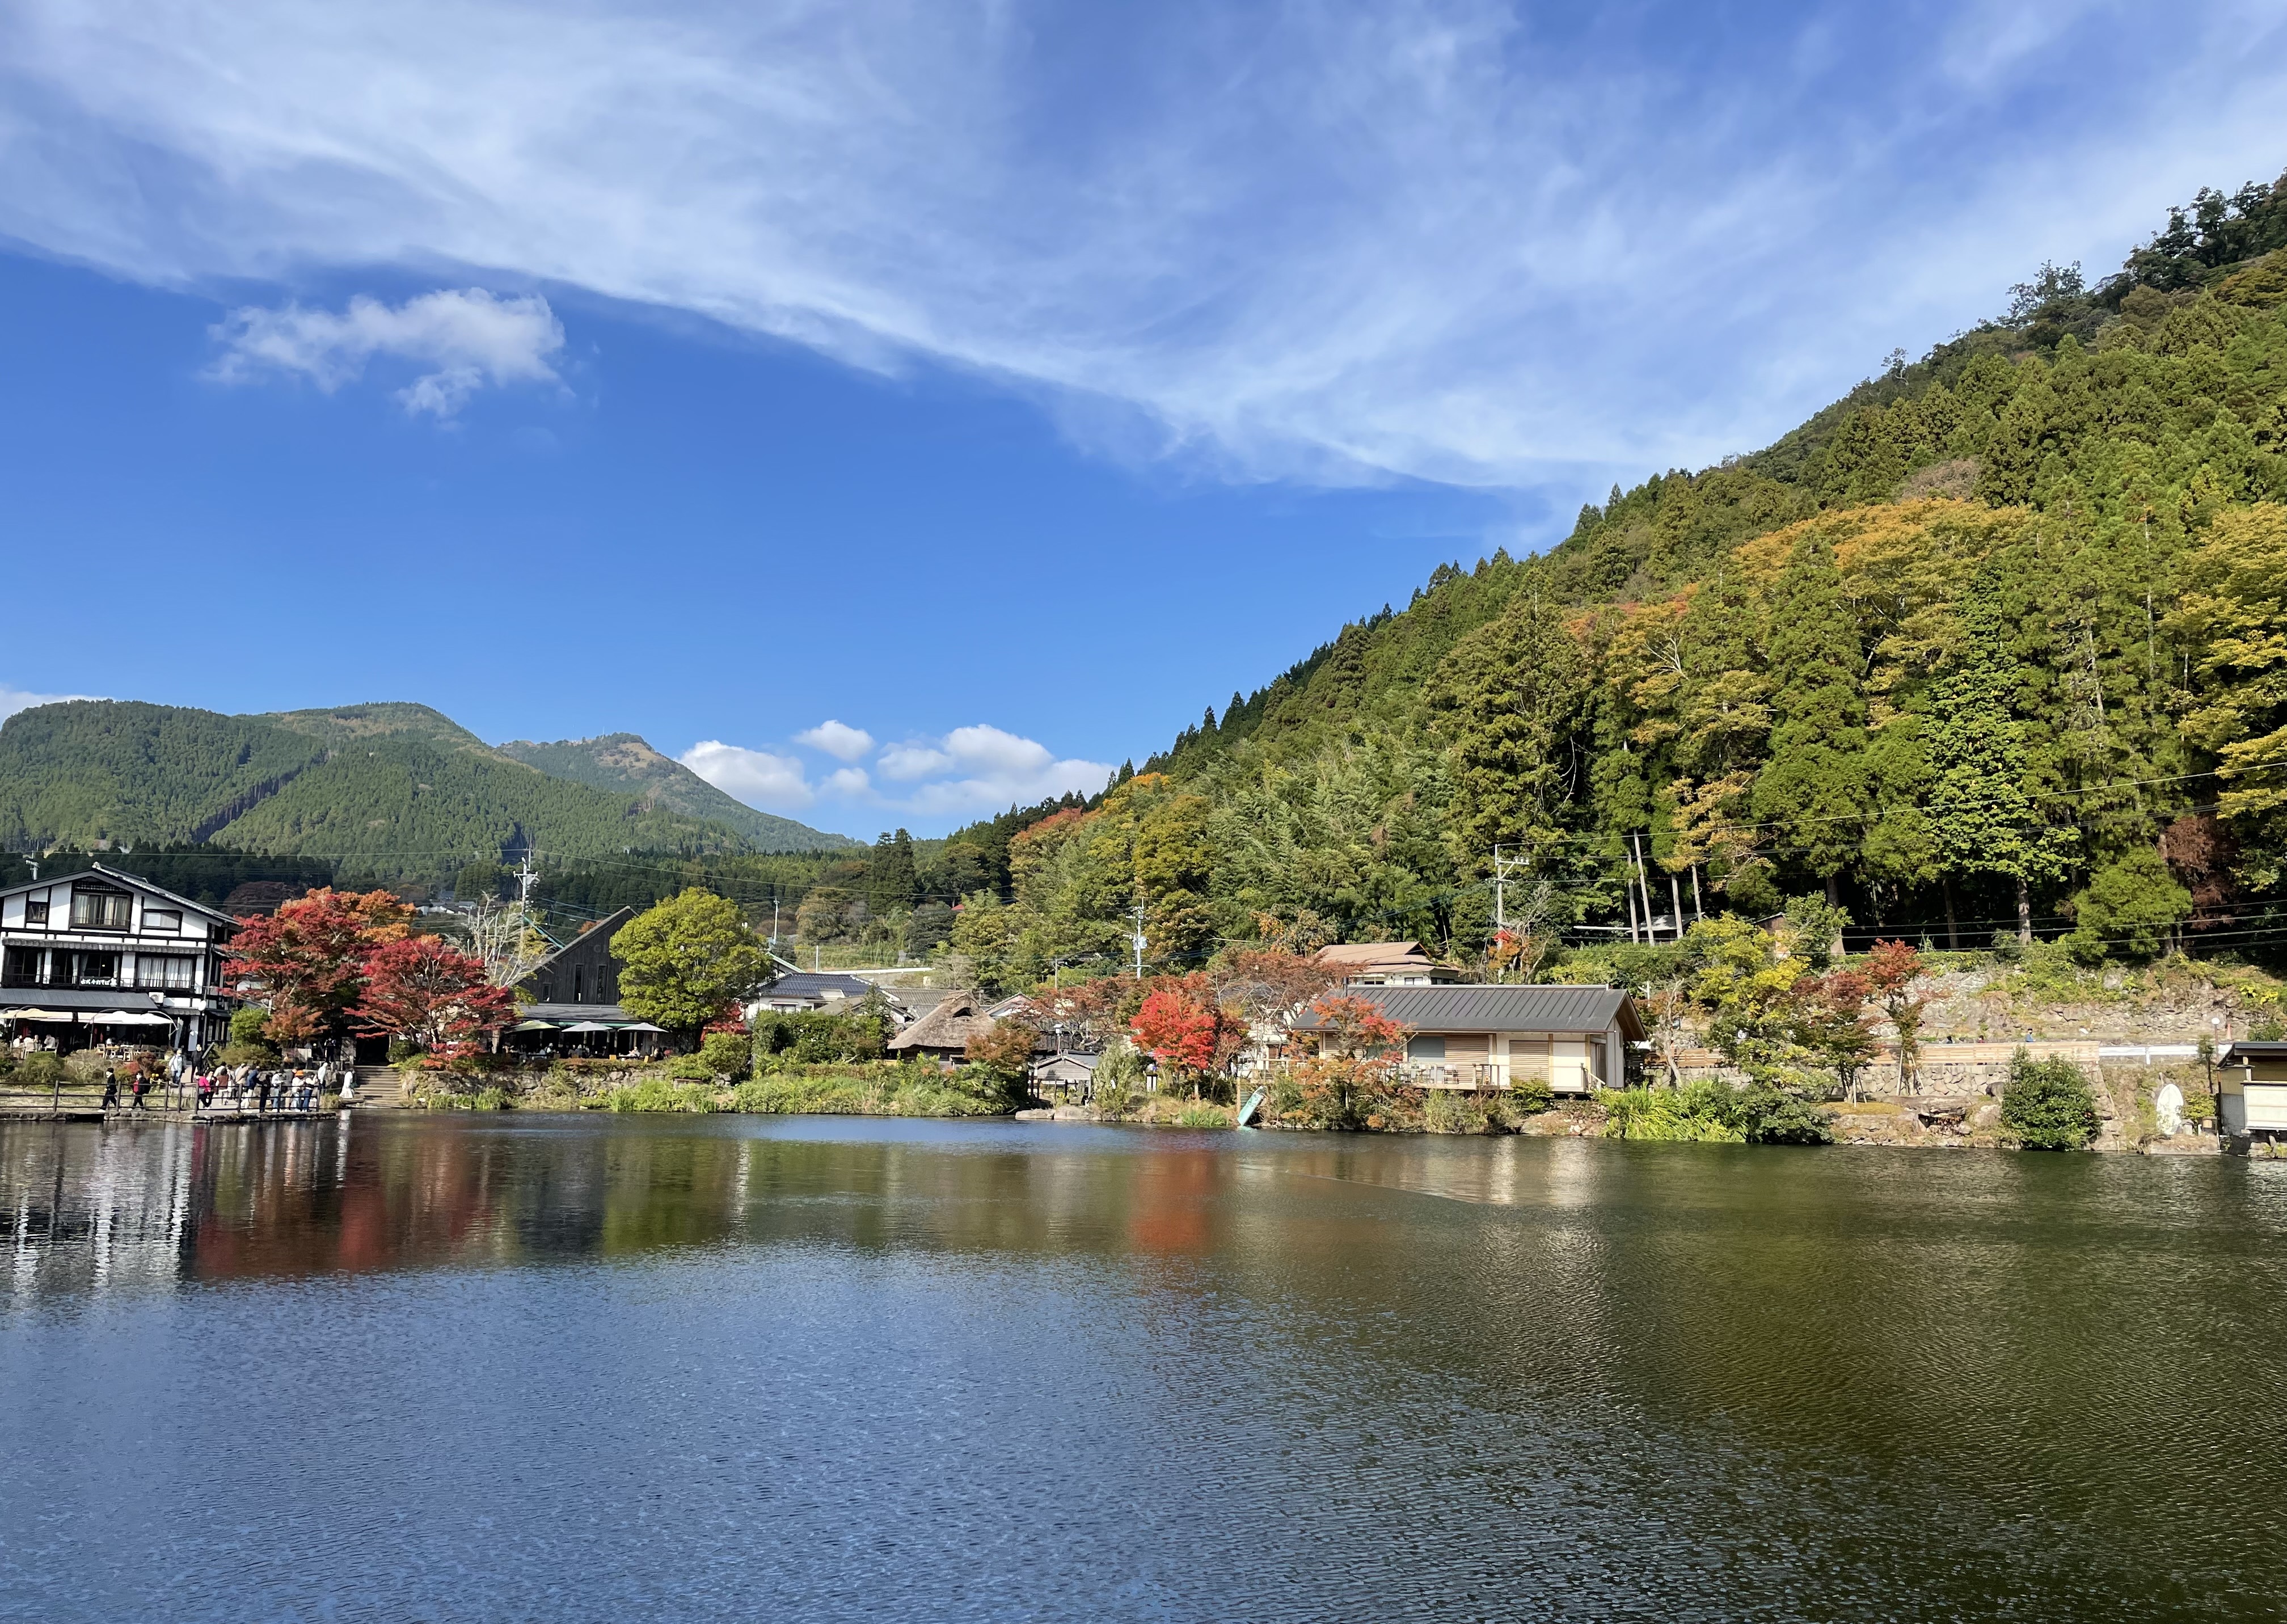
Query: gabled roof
(1362, 954)
(135, 880)
(1496, 1008)
(607, 927)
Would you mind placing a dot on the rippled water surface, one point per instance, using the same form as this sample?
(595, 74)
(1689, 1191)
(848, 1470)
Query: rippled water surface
(572, 1369)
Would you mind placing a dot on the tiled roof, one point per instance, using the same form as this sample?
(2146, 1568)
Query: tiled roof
(816, 984)
(1497, 1009)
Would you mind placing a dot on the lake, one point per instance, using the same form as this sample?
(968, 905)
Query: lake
(510, 1367)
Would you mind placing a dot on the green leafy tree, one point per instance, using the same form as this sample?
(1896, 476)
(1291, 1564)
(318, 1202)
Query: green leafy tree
(2046, 1104)
(687, 961)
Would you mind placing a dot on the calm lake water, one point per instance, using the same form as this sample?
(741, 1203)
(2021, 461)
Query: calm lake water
(572, 1369)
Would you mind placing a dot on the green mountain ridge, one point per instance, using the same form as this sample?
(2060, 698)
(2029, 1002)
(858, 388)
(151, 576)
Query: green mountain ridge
(627, 764)
(1987, 648)
(392, 791)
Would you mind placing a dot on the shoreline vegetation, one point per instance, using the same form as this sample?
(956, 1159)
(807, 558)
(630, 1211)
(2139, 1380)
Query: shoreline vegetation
(2112, 1112)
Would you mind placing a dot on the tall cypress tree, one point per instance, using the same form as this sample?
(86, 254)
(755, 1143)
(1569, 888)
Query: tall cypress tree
(1814, 788)
(1983, 814)
(891, 880)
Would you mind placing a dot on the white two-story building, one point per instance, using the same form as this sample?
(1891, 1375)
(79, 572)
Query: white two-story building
(104, 957)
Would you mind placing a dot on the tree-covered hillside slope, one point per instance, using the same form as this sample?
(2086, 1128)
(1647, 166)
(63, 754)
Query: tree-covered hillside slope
(627, 764)
(1989, 646)
(391, 791)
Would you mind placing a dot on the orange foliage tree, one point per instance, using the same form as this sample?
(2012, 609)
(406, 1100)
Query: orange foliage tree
(1179, 1026)
(1351, 1081)
(307, 960)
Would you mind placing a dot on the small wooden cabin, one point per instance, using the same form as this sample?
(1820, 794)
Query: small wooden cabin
(2250, 1085)
(1575, 1039)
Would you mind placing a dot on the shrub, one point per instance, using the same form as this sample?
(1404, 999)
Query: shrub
(1703, 1114)
(658, 1094)
(38, 1070)
(1118, 1087)
(492, 1099)
(1447, 1112)
(727, 1054)
(1529, 1096)
(402, 1049)
(1770, 1116)
(2046, 1104)
(1203, 1115)
(86, 1068)
(690, 1069)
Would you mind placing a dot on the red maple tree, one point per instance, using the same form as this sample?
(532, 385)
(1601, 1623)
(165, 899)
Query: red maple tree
(1178, 1027)
(425, 990)
(307, 960)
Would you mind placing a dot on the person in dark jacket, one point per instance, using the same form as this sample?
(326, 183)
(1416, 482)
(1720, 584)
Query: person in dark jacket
(111, 1091)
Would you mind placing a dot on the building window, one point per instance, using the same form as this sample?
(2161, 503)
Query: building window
(153, 973)
(163, 919)
(35, 910)
(102, 910)
(95, 970)
(1425, 1048)
(21, 968)
(579, 986)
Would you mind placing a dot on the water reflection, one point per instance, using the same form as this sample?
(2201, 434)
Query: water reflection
(1136, 1374)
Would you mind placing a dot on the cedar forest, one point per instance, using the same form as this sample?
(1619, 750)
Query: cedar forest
(1989, 648)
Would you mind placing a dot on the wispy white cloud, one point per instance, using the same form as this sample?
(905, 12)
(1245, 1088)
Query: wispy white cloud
(773, 783)
(467, 336)
(1458, 238)
(14, 700)
(847, 782)
(837, 740)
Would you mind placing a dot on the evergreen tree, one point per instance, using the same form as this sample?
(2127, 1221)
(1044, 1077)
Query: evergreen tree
(1982, 815)
(1814, 789)
(892, 881)
(1508, 699)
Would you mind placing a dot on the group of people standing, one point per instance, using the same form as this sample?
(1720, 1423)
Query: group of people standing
(243, 1087)
(262, 1090)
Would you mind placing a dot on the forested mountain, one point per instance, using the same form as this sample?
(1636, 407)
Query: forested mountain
(1992, 645)
(397, 792)
(626, 765)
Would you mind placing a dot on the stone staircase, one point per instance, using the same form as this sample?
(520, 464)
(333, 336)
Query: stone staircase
(380, 1087)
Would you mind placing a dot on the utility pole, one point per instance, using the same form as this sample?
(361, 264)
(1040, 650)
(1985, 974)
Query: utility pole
(525, 878)
(1138, 940)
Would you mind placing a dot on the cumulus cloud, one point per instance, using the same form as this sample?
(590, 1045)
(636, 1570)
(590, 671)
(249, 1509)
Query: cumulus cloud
(996, 769)
(773, 783)
(14, 700)
(467, 336)
(906, 762)
(847, 781)
(843, 743)
(1455, 239)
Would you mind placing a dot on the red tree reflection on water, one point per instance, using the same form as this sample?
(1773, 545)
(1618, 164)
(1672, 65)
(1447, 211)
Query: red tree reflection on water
(313, 1199)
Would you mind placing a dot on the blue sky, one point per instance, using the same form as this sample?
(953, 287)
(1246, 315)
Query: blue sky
(1002, 383)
